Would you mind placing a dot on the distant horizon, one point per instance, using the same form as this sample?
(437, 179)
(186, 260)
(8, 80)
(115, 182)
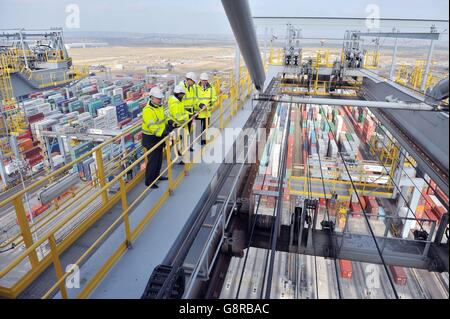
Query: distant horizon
(206, 17)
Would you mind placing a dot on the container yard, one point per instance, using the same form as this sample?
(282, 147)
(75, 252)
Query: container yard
(303, 167)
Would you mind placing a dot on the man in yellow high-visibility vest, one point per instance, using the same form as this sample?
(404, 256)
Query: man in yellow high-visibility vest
(206, 98)
(190, 96)
(155, 126)
(177, 111)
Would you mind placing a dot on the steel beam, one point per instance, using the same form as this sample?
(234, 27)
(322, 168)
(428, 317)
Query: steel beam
(428, 66)
(438, 93)
(393, 63)
(238, 13)
(373, 104)
(361, 248)
(404, 35)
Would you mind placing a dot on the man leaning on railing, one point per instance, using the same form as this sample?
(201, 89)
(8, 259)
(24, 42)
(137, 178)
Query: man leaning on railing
(155, 126)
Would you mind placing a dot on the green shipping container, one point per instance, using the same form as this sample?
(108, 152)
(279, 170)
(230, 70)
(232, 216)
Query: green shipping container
(94, 106)
(349, 137)
(80, 149)
(361, 118)
(116, 99)
(75, 105)
(332, 127)
(134, 105)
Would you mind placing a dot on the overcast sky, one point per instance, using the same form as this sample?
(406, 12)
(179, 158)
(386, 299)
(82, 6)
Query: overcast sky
(195, 16)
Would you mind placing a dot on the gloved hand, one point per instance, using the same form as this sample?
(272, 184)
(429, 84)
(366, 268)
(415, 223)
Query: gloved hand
(202, 106)
(171, 123)
(167, 130)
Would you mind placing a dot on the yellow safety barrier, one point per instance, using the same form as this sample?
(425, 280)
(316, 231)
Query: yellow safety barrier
(276, 56)
(381, 190)
(101, 186)
(371, 60)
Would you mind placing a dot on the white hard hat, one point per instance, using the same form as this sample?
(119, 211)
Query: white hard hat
(156, 92)
(192, 76)
(204, 76)
(179, 89)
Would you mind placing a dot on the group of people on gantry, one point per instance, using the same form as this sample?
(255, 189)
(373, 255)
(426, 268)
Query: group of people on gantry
(190, 100)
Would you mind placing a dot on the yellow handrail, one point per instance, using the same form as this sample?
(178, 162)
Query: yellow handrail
(126, 211)
(31, 246)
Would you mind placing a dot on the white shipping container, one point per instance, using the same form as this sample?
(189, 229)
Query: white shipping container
(118, 91)
(356, 139)
(275, 159)
(33, 102)
(332, 148)
(31, 110)
(339, 123)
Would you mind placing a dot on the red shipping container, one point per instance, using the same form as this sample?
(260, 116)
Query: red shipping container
(35, 118)
(363, 201)
(25, 135)
(330, 136)
(438, 211)
(355, 207)
(32, 152)
(321, 201)
(431, 188)
(35, 160)
(346, 268)
(26, 145)
(441, 194)
(39, 209)
(399, 275)
(372, 207)
(428, 214)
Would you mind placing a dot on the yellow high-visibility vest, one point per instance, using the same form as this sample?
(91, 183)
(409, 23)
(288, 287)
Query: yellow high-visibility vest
(177, 112)
(190, 97)
(208, 97)
(153, 120)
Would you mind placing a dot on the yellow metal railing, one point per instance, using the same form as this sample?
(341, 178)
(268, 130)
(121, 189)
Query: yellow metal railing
(38, 263)
(413, 78)
(380, 190)
(276, 56)
(371, 59)
(6, 90)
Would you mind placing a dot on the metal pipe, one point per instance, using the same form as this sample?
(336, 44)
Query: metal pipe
(238, 13)
(371, 104)
(393, 63)
(23, 49)
(237, 71)
(438, 93)
(427, 67)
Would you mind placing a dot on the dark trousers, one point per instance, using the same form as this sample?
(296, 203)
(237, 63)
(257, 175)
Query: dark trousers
(203, 126)
(154, 159)
(190, 133)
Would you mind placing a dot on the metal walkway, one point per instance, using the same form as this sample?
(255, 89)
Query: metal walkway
(128, 277)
